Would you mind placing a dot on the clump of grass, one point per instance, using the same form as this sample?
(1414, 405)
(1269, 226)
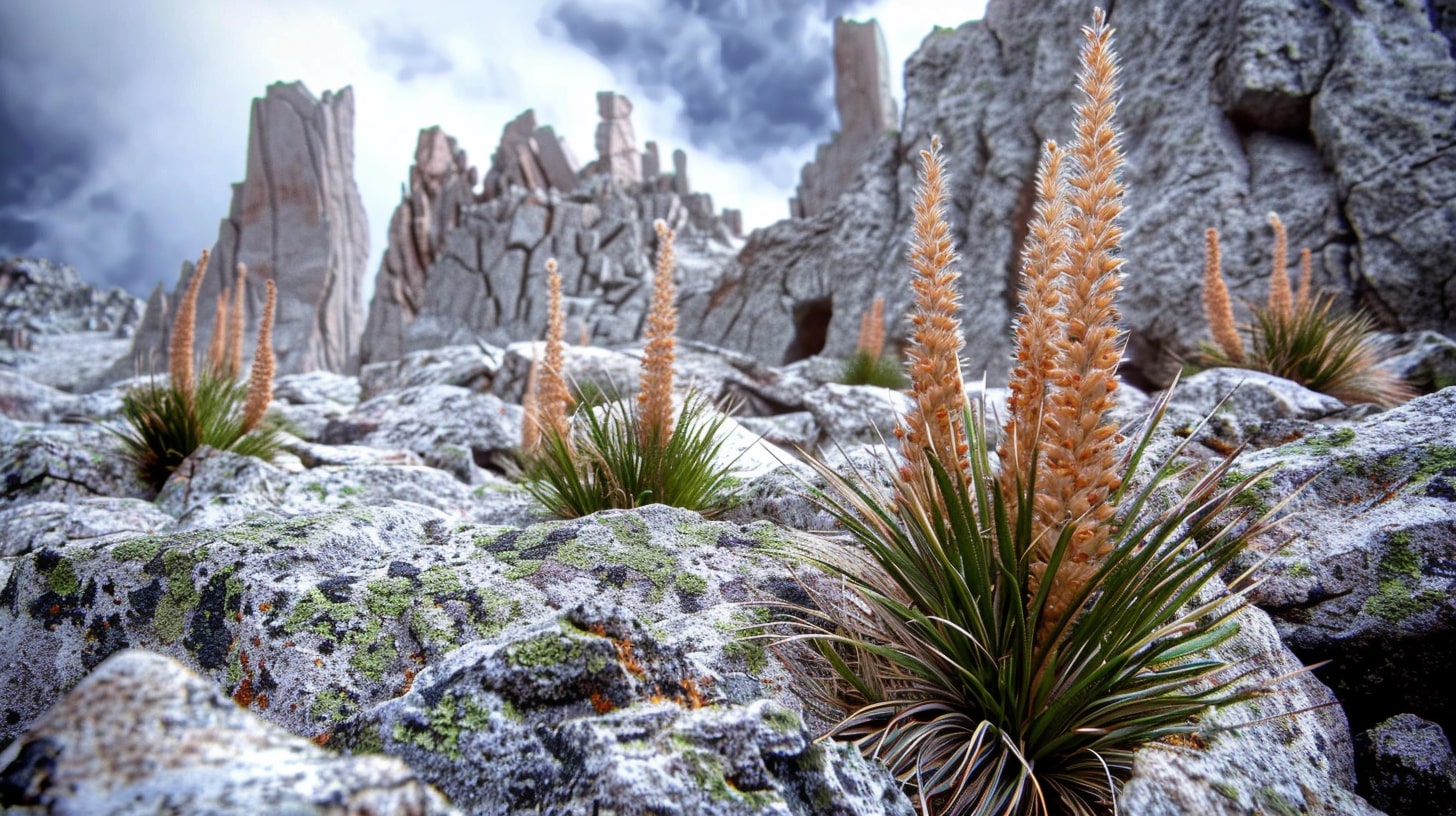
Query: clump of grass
(1299, 336)
(166, 422)
(630, 453)
(869, 365)
(1004, 641)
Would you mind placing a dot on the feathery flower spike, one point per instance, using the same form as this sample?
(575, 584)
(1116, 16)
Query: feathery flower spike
(260, 380)
(935, 425)
(555, 398)
(1218, 309)
(655, 396)
(184, 327)
(1281, 298)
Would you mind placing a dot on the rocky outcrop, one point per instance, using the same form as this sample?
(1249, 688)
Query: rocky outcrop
(867, 110)
(616, 141)
(531, 157)
(1362, 574)
(441, 184)
(296, 218)
(143, 728)
(40, 297)
(1337, 116)
(485, 279)
(59, 330)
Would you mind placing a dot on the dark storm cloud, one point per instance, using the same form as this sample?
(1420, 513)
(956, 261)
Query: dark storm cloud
(67, 190)
(762, 65)
(405, 51)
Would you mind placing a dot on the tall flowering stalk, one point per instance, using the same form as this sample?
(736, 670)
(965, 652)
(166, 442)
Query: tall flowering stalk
(1037, 331)
(1281, 296)
(184, 329)
(236, 315)
(872, 330)
(936, 425)
(654, 400)
(1218, 309)
(260, 379)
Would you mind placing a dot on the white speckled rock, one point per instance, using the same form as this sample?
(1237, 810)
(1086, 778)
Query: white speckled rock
(143, 730)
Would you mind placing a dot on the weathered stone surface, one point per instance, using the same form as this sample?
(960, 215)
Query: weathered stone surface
(445, 425)
(591, 712)
(472, 367)
(296, 218)
(27, 528)
(143, 730)
(867, 110)
(63, 463)
(58, 330)
(617, 156)
(490, 283)
(529, 157)
(1362, 572)
(440, 185)
(1411, 769)
(1293, 763)
(1330, 114)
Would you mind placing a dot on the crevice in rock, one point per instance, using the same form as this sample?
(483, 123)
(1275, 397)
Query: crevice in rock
(811, 320)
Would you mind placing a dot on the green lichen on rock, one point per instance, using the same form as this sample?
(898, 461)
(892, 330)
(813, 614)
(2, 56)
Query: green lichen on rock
(143, 549)
(782, 720)
(444, 723)
(1433, 461)
(1395, 601)
(333, 705)
(1323, 444)
(374, 650)
(440, 580)
(62, 578)
(388, 597)
(570, 645)
(316, 613)
(1399, 572)
(709, 772)
(690, 584)
(182, 594)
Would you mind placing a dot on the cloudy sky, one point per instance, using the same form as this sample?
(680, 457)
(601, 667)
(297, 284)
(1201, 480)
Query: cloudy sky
(122, 124)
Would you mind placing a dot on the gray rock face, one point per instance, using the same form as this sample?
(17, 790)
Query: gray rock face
(42, 297)
(476, 271)
(589, 713)
(1332, 115)
(617, 156)
(143, 729)
(490, 283)
(440, 184)
(296, 218)
(867, 110)
(58, 330)
(1301, 761)
(1412, 771)
(1362, 572)
(529, 157)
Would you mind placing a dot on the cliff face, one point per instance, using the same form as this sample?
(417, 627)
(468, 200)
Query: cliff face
(296, 218)
(465, 266)
(867, 111)
(439, 189)
(1337, 116)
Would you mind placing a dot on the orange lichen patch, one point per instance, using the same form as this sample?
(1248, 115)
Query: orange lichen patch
(601, 704)
(244, 695)
(319, 662)
(1191, 741)
(262, 700)
(322, 739)
(693, 696)
(409, 682)
(265, 607)
(627, 659)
